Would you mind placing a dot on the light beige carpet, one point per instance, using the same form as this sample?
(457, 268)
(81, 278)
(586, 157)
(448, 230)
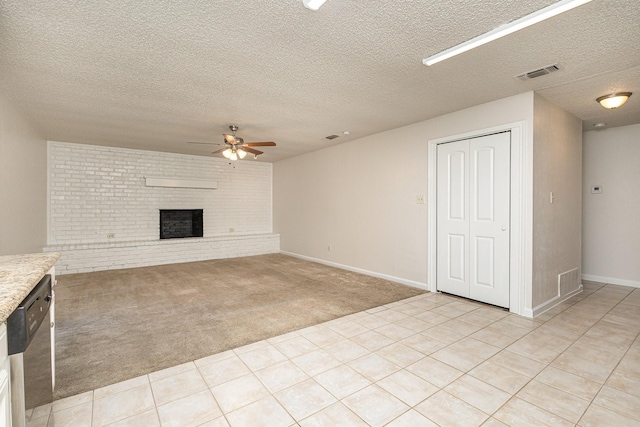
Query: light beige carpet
(119, 324)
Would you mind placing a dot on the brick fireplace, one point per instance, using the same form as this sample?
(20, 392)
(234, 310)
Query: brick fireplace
(103, 216)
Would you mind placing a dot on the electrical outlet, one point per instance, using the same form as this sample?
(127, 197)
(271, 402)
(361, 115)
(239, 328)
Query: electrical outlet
(329, 248)
(420, 199)
(111, 235)
(551, 197)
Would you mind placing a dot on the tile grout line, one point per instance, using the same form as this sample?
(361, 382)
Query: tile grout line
(574, 341)
(411, 407)
(155, 403)
(614, 369)
(505, 367)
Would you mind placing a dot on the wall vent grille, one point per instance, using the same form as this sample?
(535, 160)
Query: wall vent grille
(537, 73)
(569, 281)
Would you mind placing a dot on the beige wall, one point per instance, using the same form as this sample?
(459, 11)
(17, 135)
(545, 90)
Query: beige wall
(23, 184)
(360, 197)
(611, 234)
(557, 168)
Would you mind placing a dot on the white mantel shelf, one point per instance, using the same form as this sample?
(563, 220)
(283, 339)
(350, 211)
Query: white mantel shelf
(151, 181)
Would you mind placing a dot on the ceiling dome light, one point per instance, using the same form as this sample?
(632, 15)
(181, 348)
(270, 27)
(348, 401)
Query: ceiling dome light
(614, 100)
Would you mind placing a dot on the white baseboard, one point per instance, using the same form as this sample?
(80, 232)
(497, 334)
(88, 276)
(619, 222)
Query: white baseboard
(611, 280)
(526, 312)
(411, 283)
(548, 305)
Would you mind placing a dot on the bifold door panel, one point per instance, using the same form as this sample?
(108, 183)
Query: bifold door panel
(473, 218)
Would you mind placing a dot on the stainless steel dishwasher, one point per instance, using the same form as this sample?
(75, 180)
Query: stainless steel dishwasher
(30, 353)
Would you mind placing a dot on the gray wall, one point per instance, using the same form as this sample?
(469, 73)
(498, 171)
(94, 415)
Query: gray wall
(557, 168)
(23, 184)
(611, 235)
(360, 197)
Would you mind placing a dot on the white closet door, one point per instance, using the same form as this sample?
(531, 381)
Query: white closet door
(453, 218)
(473, 218)
(489, 218)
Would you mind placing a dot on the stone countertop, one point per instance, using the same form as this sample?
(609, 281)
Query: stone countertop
(18, 276)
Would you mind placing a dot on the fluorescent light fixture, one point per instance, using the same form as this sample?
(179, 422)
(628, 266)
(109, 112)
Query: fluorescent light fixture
(504, 30)
(313, 4)
(614, 100)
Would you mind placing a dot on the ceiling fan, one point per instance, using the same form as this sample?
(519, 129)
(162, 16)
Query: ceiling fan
(235, 148)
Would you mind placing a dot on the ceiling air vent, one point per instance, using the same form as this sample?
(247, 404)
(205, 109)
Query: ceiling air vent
(537, 73)
(331, 137)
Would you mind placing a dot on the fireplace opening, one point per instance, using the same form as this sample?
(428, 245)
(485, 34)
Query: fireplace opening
(179, 223)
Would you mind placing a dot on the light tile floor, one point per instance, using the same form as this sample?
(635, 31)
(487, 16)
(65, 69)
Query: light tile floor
(424, 361)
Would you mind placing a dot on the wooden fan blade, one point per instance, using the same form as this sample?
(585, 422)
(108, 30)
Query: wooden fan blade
(251, 150)
(219, 151)
(259, 144)
(229, 138)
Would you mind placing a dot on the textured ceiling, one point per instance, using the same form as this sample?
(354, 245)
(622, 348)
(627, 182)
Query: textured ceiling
(154, 74)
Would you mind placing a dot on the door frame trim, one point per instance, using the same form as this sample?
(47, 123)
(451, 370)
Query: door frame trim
(521, 205)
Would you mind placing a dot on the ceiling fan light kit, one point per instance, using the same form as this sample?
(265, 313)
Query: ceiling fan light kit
(235, 148)
(614, 100)
(234, 155)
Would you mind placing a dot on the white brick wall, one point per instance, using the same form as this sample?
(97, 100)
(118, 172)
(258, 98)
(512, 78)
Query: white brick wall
(95, 191)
